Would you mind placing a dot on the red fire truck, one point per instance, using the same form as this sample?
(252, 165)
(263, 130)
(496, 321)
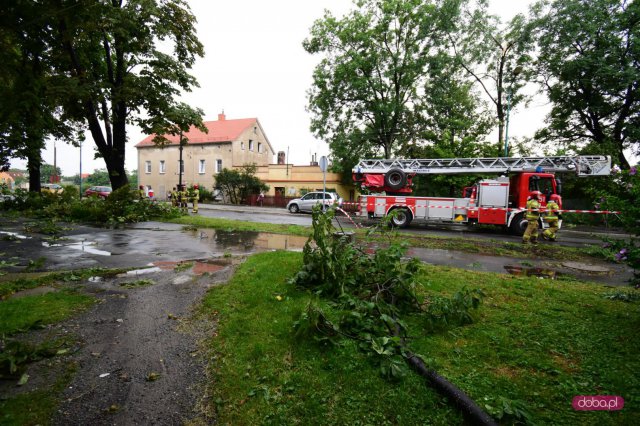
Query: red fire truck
(496, 201)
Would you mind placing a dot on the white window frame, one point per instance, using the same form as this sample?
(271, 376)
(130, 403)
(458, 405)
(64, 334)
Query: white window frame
(241, 145)
(202, 167)
(218, 165)
(250, 145)
(162, 168)
(147, 167)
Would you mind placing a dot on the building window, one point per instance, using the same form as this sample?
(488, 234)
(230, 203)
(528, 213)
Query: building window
(201, 167)
(162, 168)
(147, 167)
(259, 147)
(241, 145)
(218, 166)
(181, 166)
(250, 145)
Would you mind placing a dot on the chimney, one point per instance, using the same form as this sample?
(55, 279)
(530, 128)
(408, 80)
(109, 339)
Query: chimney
(222, 117)
(281, 157)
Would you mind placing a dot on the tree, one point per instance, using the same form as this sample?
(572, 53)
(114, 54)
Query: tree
(590, 64)
(497, 57)
(98, 177)
(47, 171)
(110, 57)
(237, 185)
(367, 92)
(29, 111)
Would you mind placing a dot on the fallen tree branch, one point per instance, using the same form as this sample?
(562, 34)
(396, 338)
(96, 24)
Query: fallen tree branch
(469, 408)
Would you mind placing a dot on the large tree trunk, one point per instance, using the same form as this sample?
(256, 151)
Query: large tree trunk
(33, 166)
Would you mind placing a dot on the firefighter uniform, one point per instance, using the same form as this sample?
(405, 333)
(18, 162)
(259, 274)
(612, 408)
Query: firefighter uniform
(551, 217)
(195, 196)
(532, 216)
(141, 192)
(173, 196)
(183, 199)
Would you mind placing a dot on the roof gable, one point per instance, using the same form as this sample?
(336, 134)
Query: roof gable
(219, 131)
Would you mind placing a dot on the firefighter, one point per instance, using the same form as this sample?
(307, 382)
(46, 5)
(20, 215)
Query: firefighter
(551, 217)
(532, 216)
(195, 195)
(184, 198)
(141, 192)
(173, 196)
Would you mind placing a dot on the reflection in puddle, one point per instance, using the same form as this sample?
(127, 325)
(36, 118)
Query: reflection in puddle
(82, 246)
(15, 235)
(142, 271)
(532, 272)
(249, 240)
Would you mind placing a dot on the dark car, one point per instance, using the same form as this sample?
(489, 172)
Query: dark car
(98, 191)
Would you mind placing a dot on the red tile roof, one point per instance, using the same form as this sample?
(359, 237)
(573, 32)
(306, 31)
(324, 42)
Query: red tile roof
(219, 131)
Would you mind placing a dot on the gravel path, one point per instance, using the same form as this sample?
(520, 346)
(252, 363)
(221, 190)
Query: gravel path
(140, 361)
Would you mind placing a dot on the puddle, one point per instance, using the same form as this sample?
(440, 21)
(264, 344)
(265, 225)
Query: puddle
(15, 235)
(249, 241)
(522, 271)
(82, 246)
(142, 271)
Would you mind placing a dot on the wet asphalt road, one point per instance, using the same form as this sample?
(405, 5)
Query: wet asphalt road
(578, 237)
(150, 242)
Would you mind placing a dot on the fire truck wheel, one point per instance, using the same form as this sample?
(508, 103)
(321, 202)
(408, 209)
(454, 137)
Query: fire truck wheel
(519, 225)
(395, 179)
(401, 218)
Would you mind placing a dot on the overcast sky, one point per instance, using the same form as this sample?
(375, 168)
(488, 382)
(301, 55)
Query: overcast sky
(255, 66)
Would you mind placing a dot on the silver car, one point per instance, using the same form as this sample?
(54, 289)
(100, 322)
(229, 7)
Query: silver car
(310, 199)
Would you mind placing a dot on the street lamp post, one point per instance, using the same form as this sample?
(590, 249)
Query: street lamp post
(180, 165)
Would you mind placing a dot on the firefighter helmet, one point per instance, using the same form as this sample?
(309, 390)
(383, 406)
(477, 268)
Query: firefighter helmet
(195, 186)
(141, 187)
(554, 197)
(535, 194)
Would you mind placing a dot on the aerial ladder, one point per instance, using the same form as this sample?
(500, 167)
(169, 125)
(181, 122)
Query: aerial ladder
(398, 172)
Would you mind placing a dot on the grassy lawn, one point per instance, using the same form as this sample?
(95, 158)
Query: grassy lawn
(21, 314)
(534, 346)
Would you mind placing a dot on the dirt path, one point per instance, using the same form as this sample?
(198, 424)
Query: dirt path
(139, 361)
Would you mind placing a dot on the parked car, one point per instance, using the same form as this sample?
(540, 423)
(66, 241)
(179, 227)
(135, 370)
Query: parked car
(310, 199)
(52, 188)
(98, 191)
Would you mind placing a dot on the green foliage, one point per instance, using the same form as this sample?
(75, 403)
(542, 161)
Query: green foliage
(237, 185)
(97, 178)
(121, 206)
(16, 355)
(588, 60)
(47, 171)
(374, 293)
(369, 89)
(622, 195)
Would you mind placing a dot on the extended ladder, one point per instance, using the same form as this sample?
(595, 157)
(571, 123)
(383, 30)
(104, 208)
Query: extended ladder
(583, 165)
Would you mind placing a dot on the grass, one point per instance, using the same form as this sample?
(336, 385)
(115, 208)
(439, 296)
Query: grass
(536, 344)
(23, 313)
(36, 407)
(236, 225)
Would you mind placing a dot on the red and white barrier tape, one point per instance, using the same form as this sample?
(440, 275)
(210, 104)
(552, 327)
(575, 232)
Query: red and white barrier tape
(483, 208)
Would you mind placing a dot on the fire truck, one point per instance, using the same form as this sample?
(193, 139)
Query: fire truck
(496, 201)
